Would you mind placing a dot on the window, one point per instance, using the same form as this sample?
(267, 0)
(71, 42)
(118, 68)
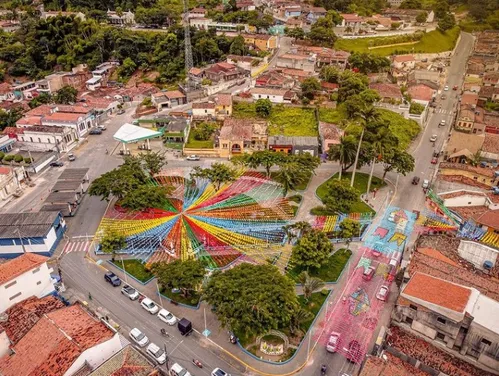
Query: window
(39, 283)
(409, 320)
(36, 270)
(10, 284)
(412, 306)
(486, 342)
(440, 336)
(31, 139)
(15, 296)
(441, 320)
(224, 146)
(39, 140)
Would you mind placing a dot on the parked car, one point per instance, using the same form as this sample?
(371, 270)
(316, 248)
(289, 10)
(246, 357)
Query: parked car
(354, 352)
(178, 370)
(436, 154)
(368, 273)
(130, 292)
(446, 88)
(149, 306)
(434, 160)
(157, 353)
(426, 184)
(102, 127)
(71, 157)
(219, 372)
(415, 180)
(442, 123)
(56, 164)
(167, 317)
(443, 97)
(455, 87)
(121, 111)
(193, 158)
(333, 342)
(433, 138)
(138, 337)
(382, 294)
(95, 131)
(112, 279)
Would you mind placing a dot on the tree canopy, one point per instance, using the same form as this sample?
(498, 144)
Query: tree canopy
(217, 174)
(340, 196)
(252, 298)
(112, 242)
(312, 250)
(184, 275)
(366, 62)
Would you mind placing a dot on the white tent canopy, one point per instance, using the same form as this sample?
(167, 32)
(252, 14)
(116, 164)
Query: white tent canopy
(129, 133)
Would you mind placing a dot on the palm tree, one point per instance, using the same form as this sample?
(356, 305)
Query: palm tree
(290, 176)
(299, 317)
(309, 284)
(344, 152)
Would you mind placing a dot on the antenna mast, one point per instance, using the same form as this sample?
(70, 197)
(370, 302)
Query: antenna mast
(189, 63)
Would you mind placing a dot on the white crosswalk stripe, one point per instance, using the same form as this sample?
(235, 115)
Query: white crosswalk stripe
(75, 246)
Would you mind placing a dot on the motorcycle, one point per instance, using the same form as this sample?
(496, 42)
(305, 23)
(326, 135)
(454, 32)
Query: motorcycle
(197, 363)
(233, 339)
(323, 370)
(164, 333)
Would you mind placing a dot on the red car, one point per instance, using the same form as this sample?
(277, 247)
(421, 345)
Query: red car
(434, 160)
(454, 87)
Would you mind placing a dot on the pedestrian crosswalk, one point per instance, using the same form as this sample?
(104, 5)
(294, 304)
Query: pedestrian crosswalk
(443, 111)
(76, 246)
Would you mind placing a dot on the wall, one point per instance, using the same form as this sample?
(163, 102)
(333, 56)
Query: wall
(477, 253)
(466, 200)
(201, 152)
(28, 284)
(485, 180)
(272, 98)
(4, 344)
(97, 355)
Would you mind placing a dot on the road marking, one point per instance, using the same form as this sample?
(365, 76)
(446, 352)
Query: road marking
(175, 348)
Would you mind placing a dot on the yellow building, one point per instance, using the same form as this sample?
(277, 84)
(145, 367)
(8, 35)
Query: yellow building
(466, 174)
(263, 42)
(223, 105)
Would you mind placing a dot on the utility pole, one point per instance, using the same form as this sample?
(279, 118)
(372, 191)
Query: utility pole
(189, 61)
(21, 240)
(357, 157)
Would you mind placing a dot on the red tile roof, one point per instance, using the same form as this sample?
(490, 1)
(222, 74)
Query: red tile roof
(437, 255)
(403, 58)
(54, 343)
(174, 94)
(224, 99)
(489, 219)
(469, 98)
(62, 116)
(421, 92)
(387, 90)
(73, 109)
(44, 109)
(25, 314)
(203, 105)
(438, 291)
(29, 120)
(4, 171)
(20, 265)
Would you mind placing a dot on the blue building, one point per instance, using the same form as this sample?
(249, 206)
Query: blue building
(38, 233)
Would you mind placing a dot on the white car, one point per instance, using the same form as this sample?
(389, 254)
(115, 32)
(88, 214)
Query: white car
(219, 372)
(167, 317)
(157, 353)
(130, 292)
(446, 88)
(426, 184)
(193, 158)
(332, 343)
(178, 370)
(383, 293)
(442, 123)
(149, 306)
(433, 138)
(138, 337)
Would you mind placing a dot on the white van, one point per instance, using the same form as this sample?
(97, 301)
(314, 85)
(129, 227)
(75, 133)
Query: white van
(178, 370)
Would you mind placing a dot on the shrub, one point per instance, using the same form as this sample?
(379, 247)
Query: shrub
(147, 102)
(325, 292)
(18, 158)
(8, 158)
(2, 154)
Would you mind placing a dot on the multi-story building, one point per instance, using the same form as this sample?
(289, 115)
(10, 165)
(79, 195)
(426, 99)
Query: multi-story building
(239, 136)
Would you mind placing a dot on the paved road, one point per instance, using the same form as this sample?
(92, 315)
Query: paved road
(85, 277)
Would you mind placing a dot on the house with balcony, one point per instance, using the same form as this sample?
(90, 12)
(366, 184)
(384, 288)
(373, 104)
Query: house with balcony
(125, 18)
(220, 72)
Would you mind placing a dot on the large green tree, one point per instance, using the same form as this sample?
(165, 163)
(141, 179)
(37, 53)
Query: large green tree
(111, 242)
(145, 197)
(366, 62)
(217, 174)
(351, 83)
(309, 284)
(343, 152)
(252, 298)
(153, 161)
(312, 250)
(398, 160)
(263, 158)
(446, 22)
(263, 107)
(309, 87)
(65, 95)
(187, 276)
(322, 33)
(290, 176)
(340, 196)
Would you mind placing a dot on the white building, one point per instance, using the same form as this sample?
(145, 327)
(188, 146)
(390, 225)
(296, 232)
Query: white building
(45, 138)
(126, 18)
(203, 110)
(79, 122)
(25, 276)
(274, 95)
(10, 180)
(38, 233)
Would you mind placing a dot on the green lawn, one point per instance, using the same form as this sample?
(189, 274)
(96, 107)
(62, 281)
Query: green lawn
(313, 305)
(404, 129)
(432, 42)
(192, 300)
(360, 183)
(285, 121)
(329, 272)
(195, 144)
(333, 115)
(134, 268)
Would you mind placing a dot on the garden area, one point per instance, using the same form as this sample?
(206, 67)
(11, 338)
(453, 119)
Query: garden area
(201, 136)
(431, 42)
(283, 120)
(135, 268)
(329, 271)
(360, 184)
